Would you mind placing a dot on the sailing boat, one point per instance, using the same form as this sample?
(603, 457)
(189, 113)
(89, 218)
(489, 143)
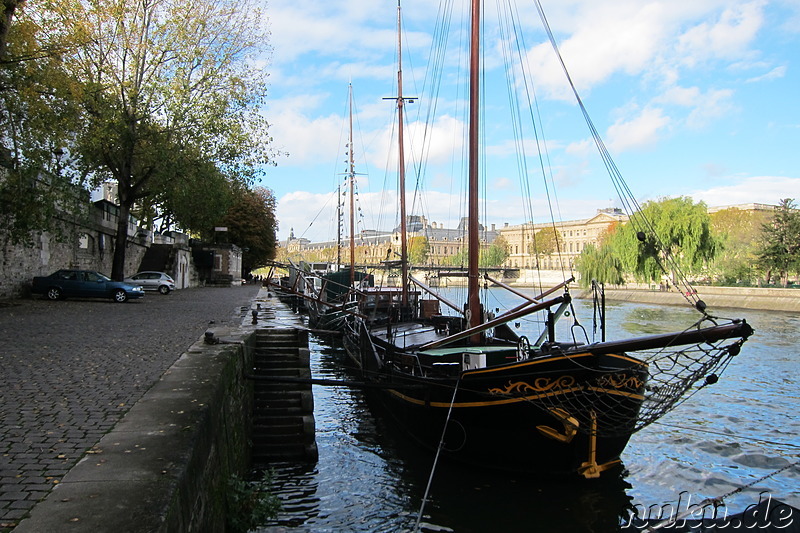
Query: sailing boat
(329, 296)
(471, 388)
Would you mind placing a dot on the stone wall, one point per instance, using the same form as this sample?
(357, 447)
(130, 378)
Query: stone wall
(87, 247)
(766, 299)
(166, 466)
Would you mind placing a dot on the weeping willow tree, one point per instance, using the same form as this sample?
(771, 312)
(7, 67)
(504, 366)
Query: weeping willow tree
(599, 264)
(671, 235)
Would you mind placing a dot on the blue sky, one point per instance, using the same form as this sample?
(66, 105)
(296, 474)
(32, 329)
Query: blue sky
(691, 97)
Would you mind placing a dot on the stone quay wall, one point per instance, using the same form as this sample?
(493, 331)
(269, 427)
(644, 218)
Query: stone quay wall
(86, 247)
(166, 466)
(767, 299)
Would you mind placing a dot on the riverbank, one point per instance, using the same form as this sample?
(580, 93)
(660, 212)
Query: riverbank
(714, 297)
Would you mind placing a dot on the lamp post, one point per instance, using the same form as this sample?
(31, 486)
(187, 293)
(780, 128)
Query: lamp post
(58, 152)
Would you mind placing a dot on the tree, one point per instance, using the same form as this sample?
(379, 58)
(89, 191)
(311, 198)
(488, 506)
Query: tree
(546, 241)
(599, 264)
(780, 250)
(252, 225)
(672, 235)
(169, 87)
(739, 233)
(496, 254)
(194, 199)
(418, 249)
(37, 117)
(7, 15)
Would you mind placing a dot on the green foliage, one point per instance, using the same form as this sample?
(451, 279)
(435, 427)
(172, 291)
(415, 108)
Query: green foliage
(599, 264)
(739, 233)
(496, 254)
(780, 249)
(37, 114)
(492, 256)
(251, 224)
(546, 241)
(175, 96)
(250, 503)
(677, 239)
(418, 249)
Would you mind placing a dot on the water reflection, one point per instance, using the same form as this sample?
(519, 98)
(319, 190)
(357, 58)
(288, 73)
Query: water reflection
(370, 478)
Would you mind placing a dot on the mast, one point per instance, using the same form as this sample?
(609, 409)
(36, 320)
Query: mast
(401, 164)
(352, 174)
(338, 226)
(473, 287)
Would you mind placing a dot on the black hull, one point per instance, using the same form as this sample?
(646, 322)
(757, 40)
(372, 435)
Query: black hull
(562, 415)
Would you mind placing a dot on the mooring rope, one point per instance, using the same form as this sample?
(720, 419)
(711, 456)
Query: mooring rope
(436, 458)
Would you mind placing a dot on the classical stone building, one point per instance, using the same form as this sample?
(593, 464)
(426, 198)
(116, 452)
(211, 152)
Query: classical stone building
(374, 246)
(573, 237)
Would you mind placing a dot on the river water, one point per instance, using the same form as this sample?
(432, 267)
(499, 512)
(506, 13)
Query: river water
(369, 478)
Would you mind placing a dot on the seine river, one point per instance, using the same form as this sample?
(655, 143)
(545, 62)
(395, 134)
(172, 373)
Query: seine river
(369, 478)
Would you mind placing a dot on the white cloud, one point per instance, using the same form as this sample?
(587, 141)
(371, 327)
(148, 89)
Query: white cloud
(433, 144)
(306, 139)
(727, 38)
(711, 105)
(640, 131)
(776, 73)
(756, 189)
(705, 105)
(619, 37)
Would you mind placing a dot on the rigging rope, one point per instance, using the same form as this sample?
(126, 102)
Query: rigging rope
(626, 196)
(436, 458)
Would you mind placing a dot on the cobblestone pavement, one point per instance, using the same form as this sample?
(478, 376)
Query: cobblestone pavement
(69, 370)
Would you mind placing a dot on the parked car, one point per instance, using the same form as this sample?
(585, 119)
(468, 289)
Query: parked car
(153, 281)
(84, 284)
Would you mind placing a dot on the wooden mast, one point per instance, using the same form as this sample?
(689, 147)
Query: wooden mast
(401, 165)
(473, 287)
(352, 194)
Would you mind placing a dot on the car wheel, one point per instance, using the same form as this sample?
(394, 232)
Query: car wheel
(120, 296)
(53, 293)
(163, 289)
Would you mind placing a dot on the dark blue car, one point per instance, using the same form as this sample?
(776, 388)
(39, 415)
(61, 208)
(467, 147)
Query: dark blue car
(84, 284)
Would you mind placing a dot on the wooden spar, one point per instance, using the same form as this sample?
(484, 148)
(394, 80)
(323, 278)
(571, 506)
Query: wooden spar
(439, 297)
(473, 284)
(506, 287)
(352, 194)
(530, 299)
(401, 164)
(736, 330)
(470, 332)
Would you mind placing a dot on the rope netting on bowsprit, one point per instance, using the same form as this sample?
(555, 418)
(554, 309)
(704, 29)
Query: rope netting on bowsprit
(676, 374)
(610, 400)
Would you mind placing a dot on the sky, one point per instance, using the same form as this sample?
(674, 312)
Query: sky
(692, 98)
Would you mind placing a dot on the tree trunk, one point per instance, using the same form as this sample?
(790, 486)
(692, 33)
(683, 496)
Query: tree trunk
(121, 245)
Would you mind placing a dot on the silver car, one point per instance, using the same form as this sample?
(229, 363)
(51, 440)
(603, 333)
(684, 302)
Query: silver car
(153, 281)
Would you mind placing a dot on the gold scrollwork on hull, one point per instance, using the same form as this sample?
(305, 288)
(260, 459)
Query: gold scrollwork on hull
(620, 381)
(539, 385)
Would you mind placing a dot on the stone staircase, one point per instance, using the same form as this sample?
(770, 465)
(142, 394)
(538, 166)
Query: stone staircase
(283, 413)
